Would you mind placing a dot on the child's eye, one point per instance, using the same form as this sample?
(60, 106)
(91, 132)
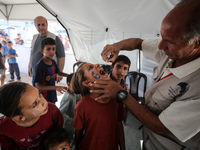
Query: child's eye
(118, 66)
(35, 104)
(90, 67)
(64, 149)
(126, 68)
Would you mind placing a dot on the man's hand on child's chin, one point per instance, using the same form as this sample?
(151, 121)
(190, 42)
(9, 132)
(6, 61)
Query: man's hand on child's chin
(107, 87)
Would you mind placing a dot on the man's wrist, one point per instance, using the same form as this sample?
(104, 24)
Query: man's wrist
(121, 95)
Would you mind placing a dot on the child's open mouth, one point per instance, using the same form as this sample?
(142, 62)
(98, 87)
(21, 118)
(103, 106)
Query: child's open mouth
(102, 72)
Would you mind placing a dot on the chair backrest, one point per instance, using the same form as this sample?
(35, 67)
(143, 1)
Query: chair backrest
(137, 82)
(75, 66)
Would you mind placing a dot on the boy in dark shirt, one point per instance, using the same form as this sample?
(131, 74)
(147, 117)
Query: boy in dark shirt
(46, 71)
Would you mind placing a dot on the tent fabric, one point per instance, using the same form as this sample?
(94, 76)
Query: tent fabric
(91, 24)
(25, 10)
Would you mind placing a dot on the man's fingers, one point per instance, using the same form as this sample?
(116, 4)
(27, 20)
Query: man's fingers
(97, 91)
(99, 85)
(101, 97)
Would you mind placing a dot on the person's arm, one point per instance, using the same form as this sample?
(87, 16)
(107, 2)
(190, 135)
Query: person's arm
(60, 62)
(127, 44)
(2, 62)
(17, 40)
(121, 136)
(60, 73)
(78, 138)
(60, 54)
(9, 56)
(2, 50)
(109, 89)
(41, 87)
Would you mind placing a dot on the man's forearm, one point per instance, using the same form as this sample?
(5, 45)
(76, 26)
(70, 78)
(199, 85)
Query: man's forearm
(130, 44)
(148, 118)
(61, 62)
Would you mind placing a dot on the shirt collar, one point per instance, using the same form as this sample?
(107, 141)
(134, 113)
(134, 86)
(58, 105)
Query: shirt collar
(186, 69)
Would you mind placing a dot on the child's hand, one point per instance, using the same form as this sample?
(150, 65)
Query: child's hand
(61, 89)
(59, 78)
(8, 56)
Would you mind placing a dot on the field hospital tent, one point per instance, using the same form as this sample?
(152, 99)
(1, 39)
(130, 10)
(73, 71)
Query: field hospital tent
(91, 24)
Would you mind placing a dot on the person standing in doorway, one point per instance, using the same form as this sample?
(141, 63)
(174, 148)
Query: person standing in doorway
(35, 55)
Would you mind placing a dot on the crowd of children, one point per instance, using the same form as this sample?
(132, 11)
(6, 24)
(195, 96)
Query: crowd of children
(32, 121)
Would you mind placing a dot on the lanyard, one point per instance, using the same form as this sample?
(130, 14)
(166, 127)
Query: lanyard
(166, 76)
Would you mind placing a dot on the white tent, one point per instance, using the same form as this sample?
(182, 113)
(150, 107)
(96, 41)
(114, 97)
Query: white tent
(91, 24)
(22, 10)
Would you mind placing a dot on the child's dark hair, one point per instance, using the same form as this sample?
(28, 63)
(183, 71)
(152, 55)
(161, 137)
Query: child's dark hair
(69, 77)
(55, 136)
(4, 42)
(123, 58)
(0, 45)
(47, 41)
(10, 95)
(77, 80)
(9, 42)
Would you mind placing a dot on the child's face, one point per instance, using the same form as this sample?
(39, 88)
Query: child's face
(33, 104)
(9, 45)
(61, 146)
(119, 70)
(49, 51)
(93, 72)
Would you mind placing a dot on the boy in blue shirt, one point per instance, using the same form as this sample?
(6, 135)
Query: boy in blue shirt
(46, 71)
(12, 61)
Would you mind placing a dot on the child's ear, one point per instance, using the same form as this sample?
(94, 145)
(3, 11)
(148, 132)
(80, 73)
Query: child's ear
(18, 118)
(41, 50)
(86, 83)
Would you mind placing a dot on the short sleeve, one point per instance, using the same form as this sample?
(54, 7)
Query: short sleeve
(60, 52)
(150, 50)
(182, 119)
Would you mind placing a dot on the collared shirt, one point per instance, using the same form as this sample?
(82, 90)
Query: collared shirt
(175, 99)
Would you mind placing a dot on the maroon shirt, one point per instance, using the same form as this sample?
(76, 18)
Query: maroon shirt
(15, 137)
(100, 122)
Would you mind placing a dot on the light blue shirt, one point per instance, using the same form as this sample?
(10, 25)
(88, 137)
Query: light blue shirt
(12, 60)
